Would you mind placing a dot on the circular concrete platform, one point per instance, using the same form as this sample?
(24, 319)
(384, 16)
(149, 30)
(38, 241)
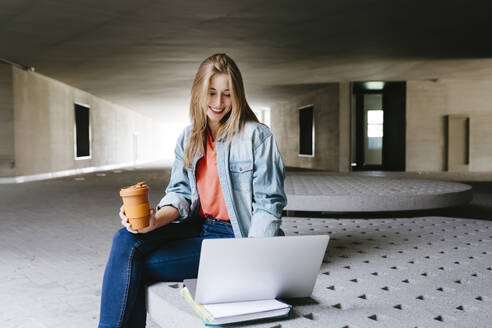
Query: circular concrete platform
(371, 194)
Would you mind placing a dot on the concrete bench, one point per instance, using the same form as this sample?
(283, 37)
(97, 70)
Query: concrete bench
(167, 308)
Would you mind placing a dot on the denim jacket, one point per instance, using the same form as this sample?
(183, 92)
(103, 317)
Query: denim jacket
(251, 175)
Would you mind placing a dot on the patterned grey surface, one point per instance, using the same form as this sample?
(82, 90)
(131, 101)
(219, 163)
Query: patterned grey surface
(342, 193)
(408, 272)
(55, 238)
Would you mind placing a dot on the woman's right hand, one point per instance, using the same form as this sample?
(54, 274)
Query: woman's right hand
(124, 220)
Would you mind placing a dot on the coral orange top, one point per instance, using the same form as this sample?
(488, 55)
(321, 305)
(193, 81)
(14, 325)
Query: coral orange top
(207, 180)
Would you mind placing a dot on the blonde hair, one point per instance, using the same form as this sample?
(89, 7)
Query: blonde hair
(233, 121)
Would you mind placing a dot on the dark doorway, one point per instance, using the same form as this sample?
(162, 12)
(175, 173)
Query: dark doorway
(380, 126)
(306, 131)
(82, 132)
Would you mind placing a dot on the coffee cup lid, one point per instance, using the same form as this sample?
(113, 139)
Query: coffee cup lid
(136, 189)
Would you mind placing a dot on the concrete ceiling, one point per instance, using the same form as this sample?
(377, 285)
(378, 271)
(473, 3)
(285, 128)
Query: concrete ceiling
(144, 54)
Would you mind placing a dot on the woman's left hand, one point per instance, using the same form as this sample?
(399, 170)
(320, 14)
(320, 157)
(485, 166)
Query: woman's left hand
(152, 223)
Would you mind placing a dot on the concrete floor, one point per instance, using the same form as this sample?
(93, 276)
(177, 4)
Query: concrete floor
(55, 238)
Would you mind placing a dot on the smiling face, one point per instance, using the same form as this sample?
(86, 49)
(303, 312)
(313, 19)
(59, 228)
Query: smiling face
(219, 101)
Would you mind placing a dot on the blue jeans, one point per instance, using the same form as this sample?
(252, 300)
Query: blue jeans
(170, 253)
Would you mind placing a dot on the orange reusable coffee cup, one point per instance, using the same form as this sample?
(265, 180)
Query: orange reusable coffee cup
(136, 204)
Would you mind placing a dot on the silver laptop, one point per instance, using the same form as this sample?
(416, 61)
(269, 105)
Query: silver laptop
(246, 269)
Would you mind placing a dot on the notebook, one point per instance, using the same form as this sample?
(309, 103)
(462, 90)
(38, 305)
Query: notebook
(233, 312)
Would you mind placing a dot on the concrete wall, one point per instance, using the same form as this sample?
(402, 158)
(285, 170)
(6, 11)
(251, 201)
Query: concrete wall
(285, 127)
(44, 128)
(428, 103)
(6, 122)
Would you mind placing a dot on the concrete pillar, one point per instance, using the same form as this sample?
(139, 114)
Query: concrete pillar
(7, 155)
(344, 127)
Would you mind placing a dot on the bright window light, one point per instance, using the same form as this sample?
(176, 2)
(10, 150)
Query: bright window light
(263, 115)
(375, 120)
(375, 117)
(374, 130)
(374, 85)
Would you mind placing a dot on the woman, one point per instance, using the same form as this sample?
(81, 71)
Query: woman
(227, 181)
